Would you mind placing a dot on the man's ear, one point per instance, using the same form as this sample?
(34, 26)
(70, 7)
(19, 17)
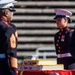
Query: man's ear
(66, 19)
(6, 13)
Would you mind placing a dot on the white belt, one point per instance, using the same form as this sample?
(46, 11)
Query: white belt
(2, 56)
(64, 55)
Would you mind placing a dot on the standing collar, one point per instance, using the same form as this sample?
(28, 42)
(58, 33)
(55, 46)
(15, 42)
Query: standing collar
(3, 19)
(65, 28)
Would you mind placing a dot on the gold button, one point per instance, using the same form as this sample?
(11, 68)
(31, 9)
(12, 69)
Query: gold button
(59, 47)
(59, 33)
(57, 40)
(59, 37)
(61, 29)
(56, 44)
(58, 50)
(59, 55)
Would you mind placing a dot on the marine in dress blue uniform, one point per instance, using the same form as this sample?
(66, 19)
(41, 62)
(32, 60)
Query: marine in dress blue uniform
(62, 38)
(8, 39)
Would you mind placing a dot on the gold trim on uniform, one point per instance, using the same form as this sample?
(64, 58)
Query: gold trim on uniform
(12, 41)
(13, 61)
(16, 34)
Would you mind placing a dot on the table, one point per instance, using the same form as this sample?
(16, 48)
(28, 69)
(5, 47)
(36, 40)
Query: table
(47, 72)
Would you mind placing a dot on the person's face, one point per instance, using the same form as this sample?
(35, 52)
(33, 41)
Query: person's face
(9, 15)
(61, 22)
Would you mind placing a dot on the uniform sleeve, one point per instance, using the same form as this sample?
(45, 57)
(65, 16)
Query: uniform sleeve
(72, 42)
(55, 43)
(72, 45)
(11, 43)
